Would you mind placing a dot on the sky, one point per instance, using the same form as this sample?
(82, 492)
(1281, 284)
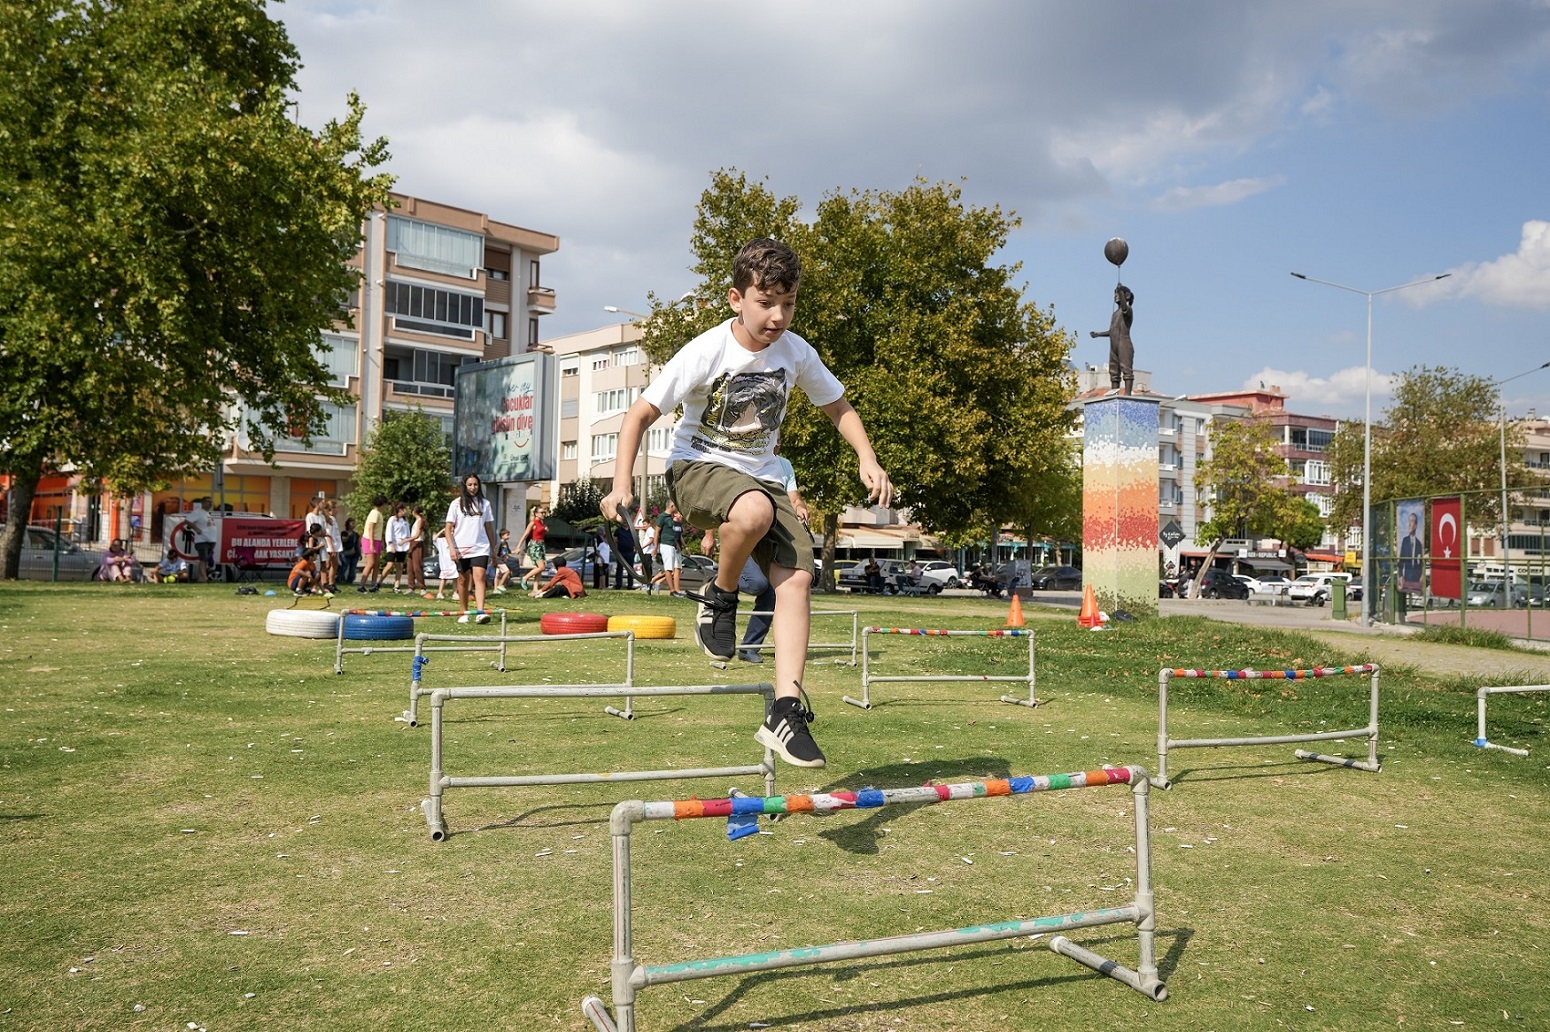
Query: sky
(1369, 143)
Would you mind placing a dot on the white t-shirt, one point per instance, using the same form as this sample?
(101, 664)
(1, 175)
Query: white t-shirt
(446, 568)
(335, 541)
(468, 531)
(398, 534)
(788, 476)
(735, 400)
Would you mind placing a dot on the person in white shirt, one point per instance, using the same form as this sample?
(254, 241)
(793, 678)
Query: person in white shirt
(470, 529)
(397, 546)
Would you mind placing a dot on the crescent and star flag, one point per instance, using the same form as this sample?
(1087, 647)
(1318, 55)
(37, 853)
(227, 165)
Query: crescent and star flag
(1447, 548)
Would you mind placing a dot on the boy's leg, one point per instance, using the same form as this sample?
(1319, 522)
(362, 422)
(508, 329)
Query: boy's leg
(785, 730)
(748, 519)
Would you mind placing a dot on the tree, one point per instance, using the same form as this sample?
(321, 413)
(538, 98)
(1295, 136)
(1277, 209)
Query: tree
(1245, 474)
(1440, 435)
(171, 245)
(405, 458)
(1303, 527)
(962, 385)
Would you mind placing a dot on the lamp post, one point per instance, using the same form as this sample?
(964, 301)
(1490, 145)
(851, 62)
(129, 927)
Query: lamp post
(1367, 582)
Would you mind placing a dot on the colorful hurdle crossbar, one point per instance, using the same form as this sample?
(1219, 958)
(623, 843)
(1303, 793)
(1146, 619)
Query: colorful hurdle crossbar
(417, 690)
(1480, 696)
(1370, 732)
(340, 650)
(440, 781)
(628, 976)
(868, 678)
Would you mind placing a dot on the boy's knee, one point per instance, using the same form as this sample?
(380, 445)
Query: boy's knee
(753, 509)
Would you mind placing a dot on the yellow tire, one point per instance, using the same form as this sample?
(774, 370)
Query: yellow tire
(645, 626)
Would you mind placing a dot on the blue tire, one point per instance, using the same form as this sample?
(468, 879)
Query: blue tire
(378, 628)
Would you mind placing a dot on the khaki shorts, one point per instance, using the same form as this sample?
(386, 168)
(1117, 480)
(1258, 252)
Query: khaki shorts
(704, 493)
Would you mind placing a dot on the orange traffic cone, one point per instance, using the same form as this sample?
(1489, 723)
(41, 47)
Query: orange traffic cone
(1014, 616)
(1088, 617)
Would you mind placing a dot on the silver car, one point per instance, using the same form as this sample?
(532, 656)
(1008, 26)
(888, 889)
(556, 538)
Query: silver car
(37, 558)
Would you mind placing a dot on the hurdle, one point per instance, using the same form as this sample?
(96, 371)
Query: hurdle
(1480, 696)
(868, 678)
(417, 690)
(852, 644)
(1370, 670)
(628, 976)
(340, 650)
(440, 781)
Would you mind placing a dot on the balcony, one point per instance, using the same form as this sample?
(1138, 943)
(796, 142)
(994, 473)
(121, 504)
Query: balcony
(540, 300)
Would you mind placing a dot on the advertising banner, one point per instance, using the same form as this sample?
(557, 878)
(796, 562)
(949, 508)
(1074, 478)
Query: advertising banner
(503, 420)
(1447, 548)
(1407, 529)
(258, 541)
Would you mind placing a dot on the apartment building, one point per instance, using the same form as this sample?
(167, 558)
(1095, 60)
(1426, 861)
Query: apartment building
(441, 286)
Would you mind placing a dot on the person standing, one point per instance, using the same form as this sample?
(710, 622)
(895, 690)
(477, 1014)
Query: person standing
(397, 554)
(602, 555)
(646, 539)
(624, 557)
(670, 536)
(373, 544)
(532, 539)
(470, 530)
(416, 550)
(333, 546)
(349, 551)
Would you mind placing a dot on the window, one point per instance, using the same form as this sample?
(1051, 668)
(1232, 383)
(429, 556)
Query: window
(627, 357)
(568, 450)
(659, 440)
(532, 333)
(497, 274)
(569, 407)
(338, 434)
(341, 358)
(607, 403)
(571, 369)
(423, 245)
(1315, 471)
(445, 313)
(1308, 439)
(419, 371)
(604, 447)
(495, 324)
(532, 274)
(599, 363)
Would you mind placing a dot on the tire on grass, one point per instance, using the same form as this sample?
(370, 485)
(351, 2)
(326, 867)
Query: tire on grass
(302, 623)
(378, 628)
(572, 623)
(645, 626)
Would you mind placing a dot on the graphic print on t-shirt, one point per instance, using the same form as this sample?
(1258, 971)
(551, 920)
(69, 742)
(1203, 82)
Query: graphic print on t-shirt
(742, 412)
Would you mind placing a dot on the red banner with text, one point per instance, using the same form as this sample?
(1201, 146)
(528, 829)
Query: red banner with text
(258, 541)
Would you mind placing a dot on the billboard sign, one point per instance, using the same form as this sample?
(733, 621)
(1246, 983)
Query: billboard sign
(504, 419)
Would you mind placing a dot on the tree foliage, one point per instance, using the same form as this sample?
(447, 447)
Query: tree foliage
(171, 244)
(1440, 434)
(405, 458)
(962, 386)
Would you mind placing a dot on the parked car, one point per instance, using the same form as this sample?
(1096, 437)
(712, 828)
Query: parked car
(37, 557)
(1496, 594)
(1164, 588)
(853, 577)
(1222, 584)
(698, 571)
(1315, 589)
(1056, 578)
(938, 574)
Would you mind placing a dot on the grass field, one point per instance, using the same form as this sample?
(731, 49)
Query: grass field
(203, 824)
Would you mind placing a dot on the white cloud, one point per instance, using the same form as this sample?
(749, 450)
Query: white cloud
(1187, 198)
(1341, 394)
(1517, 280)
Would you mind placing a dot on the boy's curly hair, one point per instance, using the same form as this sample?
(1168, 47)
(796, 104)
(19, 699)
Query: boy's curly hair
(767, 264)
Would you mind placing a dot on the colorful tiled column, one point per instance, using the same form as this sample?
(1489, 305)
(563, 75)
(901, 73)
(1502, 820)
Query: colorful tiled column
(1119, 503)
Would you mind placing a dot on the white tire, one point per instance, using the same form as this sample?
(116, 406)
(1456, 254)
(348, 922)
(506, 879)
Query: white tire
(302, 623)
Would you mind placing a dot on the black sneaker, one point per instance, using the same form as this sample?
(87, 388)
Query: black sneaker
(785, 731)
(715, 622)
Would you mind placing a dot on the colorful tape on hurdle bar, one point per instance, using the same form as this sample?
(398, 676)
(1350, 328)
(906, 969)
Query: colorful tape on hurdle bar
(1370, 732)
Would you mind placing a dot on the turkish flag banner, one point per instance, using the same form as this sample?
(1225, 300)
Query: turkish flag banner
(1447, 548)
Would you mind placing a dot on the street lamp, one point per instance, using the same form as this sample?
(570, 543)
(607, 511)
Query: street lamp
(1507, 523)
(1367, 582)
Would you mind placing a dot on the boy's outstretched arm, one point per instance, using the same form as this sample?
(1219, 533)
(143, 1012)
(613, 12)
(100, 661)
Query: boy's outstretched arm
(641, 415)
(848, 421)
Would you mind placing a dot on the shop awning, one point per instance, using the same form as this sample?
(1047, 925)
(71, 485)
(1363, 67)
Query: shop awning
(1267, 564)
(894, 538)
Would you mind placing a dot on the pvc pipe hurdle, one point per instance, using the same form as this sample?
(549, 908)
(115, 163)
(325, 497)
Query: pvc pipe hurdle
(417, 690)
(868, 678)
(852, 644)
(1480, 698)
(440, 781)
(340, 650)
(1164, 743)
(629, 976)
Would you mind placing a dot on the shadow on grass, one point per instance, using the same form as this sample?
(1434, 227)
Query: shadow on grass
(1289, 768)
(863, 836)
(849, 971)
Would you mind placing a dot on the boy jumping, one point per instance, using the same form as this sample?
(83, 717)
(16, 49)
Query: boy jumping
(733, 382)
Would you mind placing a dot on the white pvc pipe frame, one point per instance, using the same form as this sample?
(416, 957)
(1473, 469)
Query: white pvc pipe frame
(867, 678)
(440, 781)
(340, 650)
(411, 716)
(628, 976)
(1480, 697)
(1164, 743)
(855, 625)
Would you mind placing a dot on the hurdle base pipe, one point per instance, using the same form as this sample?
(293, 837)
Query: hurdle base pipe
(1338, 761)
(1147, 985)
(1484, 742)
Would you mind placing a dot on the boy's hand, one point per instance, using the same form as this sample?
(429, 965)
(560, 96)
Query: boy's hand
(615, 501)
(879, 487)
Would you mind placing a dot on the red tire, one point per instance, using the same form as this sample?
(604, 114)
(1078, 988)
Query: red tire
(572, 623)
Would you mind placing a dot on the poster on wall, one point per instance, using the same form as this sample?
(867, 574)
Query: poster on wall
(1412, 547)
(504, 418)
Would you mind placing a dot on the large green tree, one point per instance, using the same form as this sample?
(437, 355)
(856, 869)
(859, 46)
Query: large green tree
(1246, 475)
(1440, 433)
(962, 385)
(171, 244)
(404, 458)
